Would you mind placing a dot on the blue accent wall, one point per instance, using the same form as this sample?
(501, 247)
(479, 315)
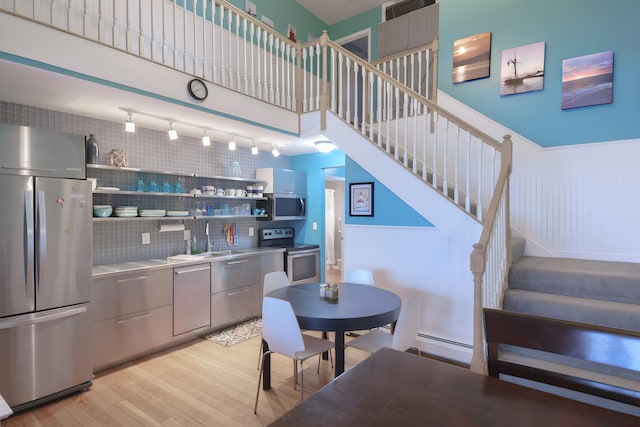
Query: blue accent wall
(314, 165)
(570, 28)
(368, 19)
(388, 209)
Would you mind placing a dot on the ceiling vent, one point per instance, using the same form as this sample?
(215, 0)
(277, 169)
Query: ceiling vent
(404, 7)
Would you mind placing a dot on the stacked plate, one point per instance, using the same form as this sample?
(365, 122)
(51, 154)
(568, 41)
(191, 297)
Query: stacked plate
(177, 213)
(126, 211)
(152, 212)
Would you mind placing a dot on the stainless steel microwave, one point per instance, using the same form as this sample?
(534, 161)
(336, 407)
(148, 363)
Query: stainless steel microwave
(283, 207)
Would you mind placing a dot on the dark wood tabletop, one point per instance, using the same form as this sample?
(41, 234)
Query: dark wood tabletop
(392, 388)
(358, 307)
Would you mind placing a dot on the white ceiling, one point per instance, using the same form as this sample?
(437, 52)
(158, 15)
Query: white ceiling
(333, 11)
(33, 86)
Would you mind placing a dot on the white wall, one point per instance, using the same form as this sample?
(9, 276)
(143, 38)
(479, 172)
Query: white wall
(432, 259)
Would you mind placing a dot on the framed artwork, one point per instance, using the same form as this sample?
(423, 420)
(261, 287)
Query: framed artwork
(250, 8)
(291, 33)
(471, 57)
(267, 21)
(587, 80)
(522, 69)
(361, 199)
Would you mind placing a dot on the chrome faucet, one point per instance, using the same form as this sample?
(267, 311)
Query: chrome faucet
(209, 241)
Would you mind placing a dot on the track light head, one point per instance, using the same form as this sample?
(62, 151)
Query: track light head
(173, 135)
(275, 151)
(129, 125)
(206, 141)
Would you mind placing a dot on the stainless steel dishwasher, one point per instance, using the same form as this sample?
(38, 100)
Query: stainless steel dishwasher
(191, 302)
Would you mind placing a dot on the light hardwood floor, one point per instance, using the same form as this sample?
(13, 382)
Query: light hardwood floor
(200, 383)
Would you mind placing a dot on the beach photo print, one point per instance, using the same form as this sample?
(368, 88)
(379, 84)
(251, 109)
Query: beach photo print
(587, 80)
(522, 69)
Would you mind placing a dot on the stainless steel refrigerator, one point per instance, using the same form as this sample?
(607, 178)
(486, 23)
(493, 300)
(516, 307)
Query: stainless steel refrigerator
(45, 266)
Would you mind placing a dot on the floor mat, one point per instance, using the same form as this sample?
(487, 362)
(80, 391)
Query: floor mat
(238, 333)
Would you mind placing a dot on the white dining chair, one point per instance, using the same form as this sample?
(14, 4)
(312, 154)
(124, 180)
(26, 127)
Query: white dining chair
(272, 281)
(281, 331)
(362, 277)
(405, 331)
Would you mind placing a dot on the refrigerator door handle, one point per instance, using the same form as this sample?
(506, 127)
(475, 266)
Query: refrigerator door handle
(42, 238)
(32, 319)
(28, 238)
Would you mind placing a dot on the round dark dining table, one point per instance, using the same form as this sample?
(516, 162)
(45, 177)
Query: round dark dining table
(358, 307)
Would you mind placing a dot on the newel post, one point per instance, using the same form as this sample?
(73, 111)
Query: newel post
(324, 90)
(478, 362)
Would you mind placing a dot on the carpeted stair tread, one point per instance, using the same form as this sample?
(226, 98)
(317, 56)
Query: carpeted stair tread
(596, 312)
(599, 280)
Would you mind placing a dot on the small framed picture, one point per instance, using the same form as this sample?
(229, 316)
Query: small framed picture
(361, 199)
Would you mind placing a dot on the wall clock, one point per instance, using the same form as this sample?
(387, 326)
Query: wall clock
(197, 89)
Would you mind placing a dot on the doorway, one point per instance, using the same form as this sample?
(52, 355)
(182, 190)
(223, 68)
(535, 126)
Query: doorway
(360, 45)
(333, 221)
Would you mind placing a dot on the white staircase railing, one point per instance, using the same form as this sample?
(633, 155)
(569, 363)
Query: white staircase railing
(467, 166)
(447, 153)
(220, 43)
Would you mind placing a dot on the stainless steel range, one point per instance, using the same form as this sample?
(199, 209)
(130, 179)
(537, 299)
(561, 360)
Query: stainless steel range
(301, 261)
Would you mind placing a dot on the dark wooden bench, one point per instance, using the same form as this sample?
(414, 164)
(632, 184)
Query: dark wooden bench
(616, 347)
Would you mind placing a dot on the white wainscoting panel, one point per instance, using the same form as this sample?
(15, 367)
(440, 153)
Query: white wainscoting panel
(573, 201)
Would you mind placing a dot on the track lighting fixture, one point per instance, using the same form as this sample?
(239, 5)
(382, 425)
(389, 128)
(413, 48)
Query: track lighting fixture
(254, 149)
(129, 125)
(206, 141)
(275, 151)
(232, 144)
(173, 135)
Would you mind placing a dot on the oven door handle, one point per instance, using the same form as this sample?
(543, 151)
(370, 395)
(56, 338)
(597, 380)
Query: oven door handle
(302, 252)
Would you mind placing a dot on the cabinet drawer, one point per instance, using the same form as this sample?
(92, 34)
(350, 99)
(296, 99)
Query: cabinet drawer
(235, 273)
(235, 305)
(129, 293)
(122, 338)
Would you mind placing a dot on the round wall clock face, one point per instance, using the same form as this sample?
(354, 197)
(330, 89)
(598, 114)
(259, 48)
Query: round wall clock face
(197, 89)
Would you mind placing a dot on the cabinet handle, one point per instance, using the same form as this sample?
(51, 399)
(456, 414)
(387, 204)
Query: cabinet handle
(142, 316)
(132, 279)
(242, 261)
(192, 270)
(244, 291)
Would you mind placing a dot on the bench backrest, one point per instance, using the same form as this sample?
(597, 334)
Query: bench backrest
(600, 344)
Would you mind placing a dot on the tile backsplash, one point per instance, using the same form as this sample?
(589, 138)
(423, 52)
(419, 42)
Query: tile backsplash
(118, 241)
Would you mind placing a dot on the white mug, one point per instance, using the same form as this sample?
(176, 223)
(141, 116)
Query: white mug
(241, 193)
(230, 192)
(220, 192)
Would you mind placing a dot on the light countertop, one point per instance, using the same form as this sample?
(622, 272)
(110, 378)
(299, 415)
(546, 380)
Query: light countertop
(131, 266)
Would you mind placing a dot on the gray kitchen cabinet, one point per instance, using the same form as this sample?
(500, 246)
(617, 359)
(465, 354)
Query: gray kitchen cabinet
(269, 263)
(132, 315)
(191, 302)
(235, 290)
